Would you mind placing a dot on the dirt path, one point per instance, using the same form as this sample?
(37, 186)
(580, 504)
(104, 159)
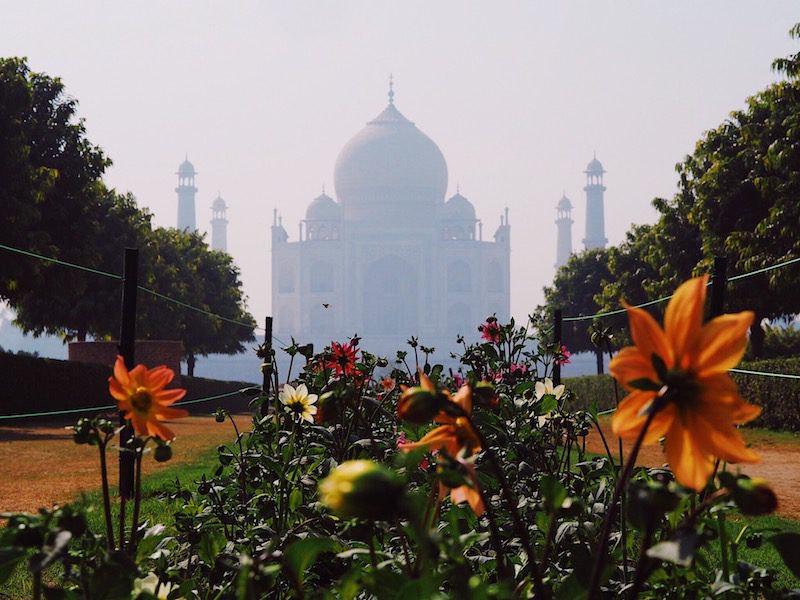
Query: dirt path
(42, 466)
(779, 456)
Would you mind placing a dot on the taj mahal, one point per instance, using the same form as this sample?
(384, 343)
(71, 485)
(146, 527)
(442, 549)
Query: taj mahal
(389, 256)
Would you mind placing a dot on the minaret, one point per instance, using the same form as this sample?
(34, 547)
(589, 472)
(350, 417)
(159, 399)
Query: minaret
(564, 223)
(595, 221)
(219, 225)
(186, 192)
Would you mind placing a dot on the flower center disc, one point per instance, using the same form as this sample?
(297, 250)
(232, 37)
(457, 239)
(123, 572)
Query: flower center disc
(141, 400)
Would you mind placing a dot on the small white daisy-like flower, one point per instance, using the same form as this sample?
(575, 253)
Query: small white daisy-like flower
(546, 389)
(299, 402)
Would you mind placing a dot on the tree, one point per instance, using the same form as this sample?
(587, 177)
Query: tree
(76, 303)
(48, 171)
(740, 188)
(574, 289)
(185, 269)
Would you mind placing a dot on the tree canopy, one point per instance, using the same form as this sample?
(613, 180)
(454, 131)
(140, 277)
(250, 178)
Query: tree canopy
(56, 204)
(737, 197)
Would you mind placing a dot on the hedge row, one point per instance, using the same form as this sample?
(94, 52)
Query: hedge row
(779, 397)
(33, 384)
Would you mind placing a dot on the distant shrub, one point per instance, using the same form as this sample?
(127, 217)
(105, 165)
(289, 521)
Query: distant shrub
(779, 397)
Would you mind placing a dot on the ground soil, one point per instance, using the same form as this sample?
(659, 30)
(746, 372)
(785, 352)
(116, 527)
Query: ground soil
(778, 455)
(42, 466)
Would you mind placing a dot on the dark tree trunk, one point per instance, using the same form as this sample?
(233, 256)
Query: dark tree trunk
(190, 362)
(757, 338)
(598, 353)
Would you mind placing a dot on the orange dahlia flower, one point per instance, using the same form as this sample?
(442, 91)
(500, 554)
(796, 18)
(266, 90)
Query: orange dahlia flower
(140, 394)
(687, 363)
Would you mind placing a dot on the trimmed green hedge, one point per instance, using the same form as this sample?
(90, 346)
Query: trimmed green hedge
(779, 398)
(33, 384)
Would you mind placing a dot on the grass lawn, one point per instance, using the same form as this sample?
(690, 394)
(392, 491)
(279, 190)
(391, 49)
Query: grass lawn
(153, 510)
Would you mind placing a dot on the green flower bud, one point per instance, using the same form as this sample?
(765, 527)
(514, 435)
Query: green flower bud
(418, 405)
(754, 496)
(362, 489)
(163, 453)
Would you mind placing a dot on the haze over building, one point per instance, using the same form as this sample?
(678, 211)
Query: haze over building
(219, 224)
(186, 191)
(389, 257)
(595, 212)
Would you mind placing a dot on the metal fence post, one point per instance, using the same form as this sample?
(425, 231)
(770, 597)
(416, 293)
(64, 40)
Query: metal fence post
(127, 341)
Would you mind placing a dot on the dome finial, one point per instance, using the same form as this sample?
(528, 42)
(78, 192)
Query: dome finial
(391, 89)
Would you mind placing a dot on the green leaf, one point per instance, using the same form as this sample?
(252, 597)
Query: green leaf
(547, 404)
(301, 554)
(679, 550)
(645, 384)
(9, 559)
(211, 544)
(295, 499)
(787, 545)
(660, 366)
(554, 493)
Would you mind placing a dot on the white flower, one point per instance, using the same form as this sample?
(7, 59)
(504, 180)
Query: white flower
(149, 584)
(299, 402)
(546, 389)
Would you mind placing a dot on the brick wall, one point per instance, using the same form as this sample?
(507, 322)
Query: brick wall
(150, 353)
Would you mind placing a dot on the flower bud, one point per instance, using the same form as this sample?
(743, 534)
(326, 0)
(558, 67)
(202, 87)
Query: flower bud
(418, 405)
(362, 489)
(483, 393)
(163, 453)
(219, 415)
(326, 408)
(754, 496)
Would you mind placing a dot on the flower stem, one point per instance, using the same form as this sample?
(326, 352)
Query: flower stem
(600, 560)
(137, 501)
(106, 496)
(511, 504)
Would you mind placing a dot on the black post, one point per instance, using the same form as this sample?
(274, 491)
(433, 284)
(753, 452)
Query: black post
(719, 280)
(267, 366)
(557, 316)
(127, 339)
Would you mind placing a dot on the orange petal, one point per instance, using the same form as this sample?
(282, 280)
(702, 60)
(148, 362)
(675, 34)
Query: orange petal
(167, 397)
(121, 372)
(166, 413)
(464, 398)
(436, 439)
(158, 378)
(721, 343)
(470, 495)
(684, 315)
(630, 364)
(648, 336)
(138, 376)
(720, 440)
(159, 430)
(139, 423)
(627, 420)
(690, 464)
(116, 390)
(425, 382)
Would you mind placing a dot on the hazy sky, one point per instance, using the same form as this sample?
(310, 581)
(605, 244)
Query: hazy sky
(518, 95)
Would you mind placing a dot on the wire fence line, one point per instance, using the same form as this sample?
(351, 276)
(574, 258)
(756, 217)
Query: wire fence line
(610, 313)
(144, 289)
(72, 411)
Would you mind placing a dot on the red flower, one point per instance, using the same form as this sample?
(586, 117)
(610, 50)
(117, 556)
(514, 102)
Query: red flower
(342, 359)
(562, 356)
(490, 331)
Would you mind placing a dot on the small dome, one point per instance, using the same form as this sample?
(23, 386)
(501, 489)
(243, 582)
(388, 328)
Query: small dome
(458, 207)
(564, 203)
(186, 169)
(323, 207)
(219, 204)
(595, 166)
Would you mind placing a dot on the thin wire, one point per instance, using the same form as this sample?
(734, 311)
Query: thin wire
(60, 262)
(765, 374)
(144, 289)
(618, 311)
(765, 269)
(109, 407)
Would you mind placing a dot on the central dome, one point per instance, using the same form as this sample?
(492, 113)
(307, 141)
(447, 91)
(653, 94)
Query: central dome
(389, 162)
